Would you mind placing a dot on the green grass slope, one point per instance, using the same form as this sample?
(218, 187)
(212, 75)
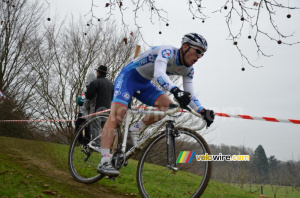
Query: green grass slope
(39, 169)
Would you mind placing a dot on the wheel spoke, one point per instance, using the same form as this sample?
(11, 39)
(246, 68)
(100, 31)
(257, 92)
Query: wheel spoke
(155, 179)
(83, 160)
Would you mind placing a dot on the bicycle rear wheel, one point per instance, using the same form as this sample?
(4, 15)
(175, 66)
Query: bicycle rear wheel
(155, 179)
(83, 160)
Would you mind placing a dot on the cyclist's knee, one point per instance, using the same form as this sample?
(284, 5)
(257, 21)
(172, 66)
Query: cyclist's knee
(163, 102)
(117, 113)
(116, 119)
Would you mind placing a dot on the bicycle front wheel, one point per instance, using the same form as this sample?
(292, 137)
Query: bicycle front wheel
(156, 178)
(83, 159)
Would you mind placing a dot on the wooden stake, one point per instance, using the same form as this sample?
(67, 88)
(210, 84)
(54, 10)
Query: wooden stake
(137, 51)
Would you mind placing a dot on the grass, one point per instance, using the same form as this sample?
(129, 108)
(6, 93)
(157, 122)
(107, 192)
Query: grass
(20, 179)
(281, 191)
(39, 169)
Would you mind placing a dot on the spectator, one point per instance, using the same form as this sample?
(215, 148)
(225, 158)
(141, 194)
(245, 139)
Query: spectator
(99, 95)
(86, 108)
(102, 89)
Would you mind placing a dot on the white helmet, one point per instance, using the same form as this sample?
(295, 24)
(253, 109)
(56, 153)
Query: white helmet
(195, 40)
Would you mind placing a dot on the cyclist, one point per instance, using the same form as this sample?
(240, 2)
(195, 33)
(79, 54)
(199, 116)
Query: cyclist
(157, 62)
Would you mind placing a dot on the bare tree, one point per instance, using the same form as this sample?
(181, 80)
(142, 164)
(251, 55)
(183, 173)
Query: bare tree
(274, 174)
(231, 172)
(62, 62)
(253, 17)
(241, 17)
(19, 41)
(243, 173)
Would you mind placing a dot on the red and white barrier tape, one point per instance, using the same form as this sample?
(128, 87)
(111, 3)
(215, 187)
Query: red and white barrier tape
(247, 117)
(62, 120)
(97, 113)
(37, 120)
(269, 119)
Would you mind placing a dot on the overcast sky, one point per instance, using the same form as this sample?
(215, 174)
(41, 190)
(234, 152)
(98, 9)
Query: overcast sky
(272, 90)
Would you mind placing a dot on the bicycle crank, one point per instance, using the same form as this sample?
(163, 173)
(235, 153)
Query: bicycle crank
(119, 160)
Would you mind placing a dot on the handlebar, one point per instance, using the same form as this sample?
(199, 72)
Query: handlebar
(192, 111)
(173, 108)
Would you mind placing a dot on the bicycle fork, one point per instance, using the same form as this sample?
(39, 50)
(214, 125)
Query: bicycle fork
(170, 140)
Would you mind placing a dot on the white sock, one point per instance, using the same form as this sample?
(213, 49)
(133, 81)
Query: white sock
(105, 155)
(138, 126)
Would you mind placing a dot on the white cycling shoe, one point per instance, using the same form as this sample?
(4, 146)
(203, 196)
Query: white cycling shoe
(107, 169)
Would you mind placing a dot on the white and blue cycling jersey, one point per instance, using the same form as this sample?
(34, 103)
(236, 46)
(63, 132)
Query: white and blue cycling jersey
(159, 63)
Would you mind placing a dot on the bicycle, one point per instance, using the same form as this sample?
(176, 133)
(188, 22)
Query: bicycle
(159, 173)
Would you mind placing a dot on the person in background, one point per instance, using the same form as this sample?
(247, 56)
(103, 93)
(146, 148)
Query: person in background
(88, 106)
(99, 95)
(102, 89)
(84, 110)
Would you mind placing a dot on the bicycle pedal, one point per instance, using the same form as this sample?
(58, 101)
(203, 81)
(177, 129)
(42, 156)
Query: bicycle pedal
(111, 178)
(126, 163)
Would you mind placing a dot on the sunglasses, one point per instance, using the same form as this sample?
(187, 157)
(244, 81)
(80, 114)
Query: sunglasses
(198, 51)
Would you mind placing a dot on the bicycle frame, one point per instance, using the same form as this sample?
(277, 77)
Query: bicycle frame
(146, 136)
(160, 144)
(155, 130)
(149, 134)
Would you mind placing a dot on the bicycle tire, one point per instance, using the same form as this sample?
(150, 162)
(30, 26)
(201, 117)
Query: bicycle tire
(81, 170)
(154, 179)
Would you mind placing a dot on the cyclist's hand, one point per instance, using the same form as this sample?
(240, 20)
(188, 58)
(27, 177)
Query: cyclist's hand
(183, 97)
(208, 116)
